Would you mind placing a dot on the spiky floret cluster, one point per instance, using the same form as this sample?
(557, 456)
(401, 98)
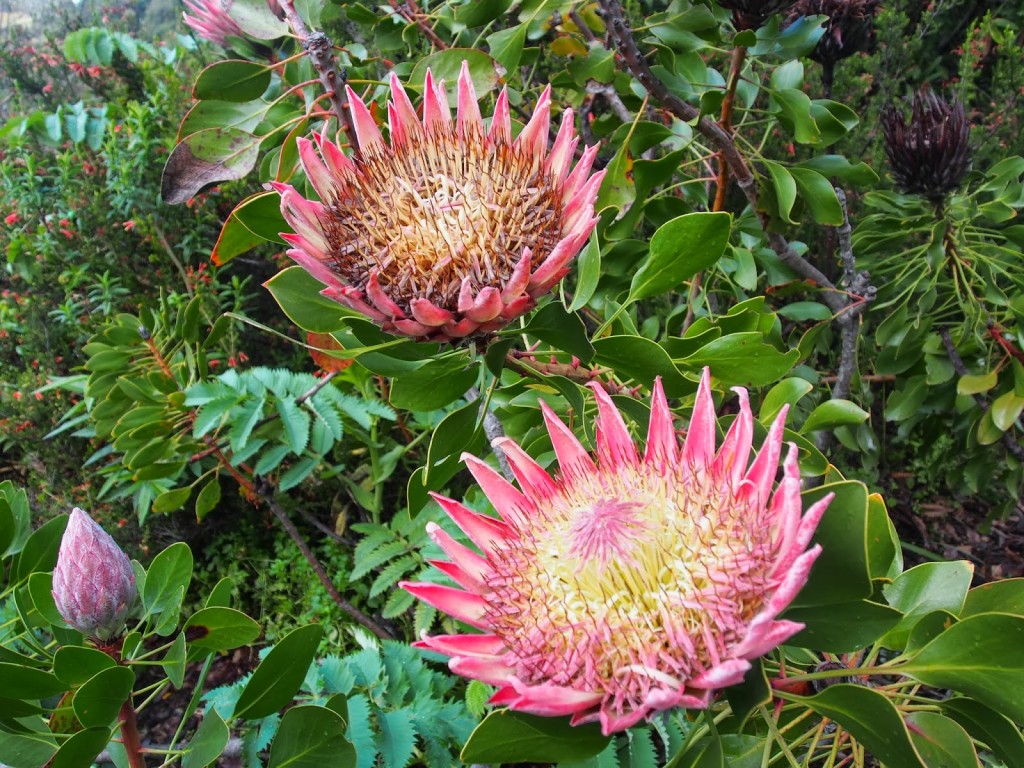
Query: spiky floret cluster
(751, 14)
(850, 27)
(931, 153)
(449, 229)
(632, 584)
(93, 581)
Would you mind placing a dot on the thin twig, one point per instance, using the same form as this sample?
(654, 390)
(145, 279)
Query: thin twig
(494, 431)
(857, 283)
(162, 238)
(410, 11)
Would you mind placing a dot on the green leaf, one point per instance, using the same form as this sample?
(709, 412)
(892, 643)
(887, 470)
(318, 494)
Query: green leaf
(32, 749)
(1006, 596)
(588, 273)
(839, 167)
(453, 434)
(298, 294)
(169, 574)
(172, 500)
(1006, 409)
(681, 248)
(786, 392)
(841, 572)
(981, 656)
(994, 730)
(925, 588)
(278, 677)
(562, 329)
(255, 220)
(476, 13)
(742, 358)
(81, 749)
(819, 195)
(208, 498)
(26, 683)
(208, 742)
(977, 385)
(843, 627)
(940, 741)
(397, 740)
(832, 414)
(506, 46)
(99, 700)
(447, 65)
(296, 422)
(256, 19)
(232, 80)
(220, 629)
(871, 718)
(41, 548)
(795, 113)
(513, 737)
(74, 664)
(642, 360)
(313, 737)
(434, 385)
(785, 189)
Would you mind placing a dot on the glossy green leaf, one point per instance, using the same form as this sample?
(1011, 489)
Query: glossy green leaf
(925, 588)
(31, 749)
(208, 498)
(841, 572)
(169, 574)
(742, 358)
(786, 392)
(41, 548)
(74, 664)
(476, 13)
(506, 45)
(255, 19)
(99, 700)
(298, 294)
(818, 194)
(208, 742)
(207, 157)
(588, 273)
(991, 728)
(172, 500)
(26, 683)
(278, 677)
(174, 660)
(871, 718)
(506, 736)
(844, 627)
(785, 189)
(312, 737)
(1005, 596)
(434, 385)
(834, 413)
(40, 588)
(680, 249)
(562, 329)
(839, 167)
(220, 629)
(81, 749)
(232, 80)
(927, 628)
(981, 656)
(795, 113)
(453, 434)
(977, 385)
(1006, 409)
(642, 360)
(940, 741)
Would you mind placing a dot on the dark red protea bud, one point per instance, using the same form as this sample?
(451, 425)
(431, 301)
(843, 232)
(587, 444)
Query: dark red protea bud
(850, 27)
(931, 153)
(93, 583)
(751, 14)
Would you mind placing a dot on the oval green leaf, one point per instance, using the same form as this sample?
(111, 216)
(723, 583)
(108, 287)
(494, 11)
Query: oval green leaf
(514, 737)
(681, 248)
(278, 677)
(220, 629)
(99, 700)
(312, 737)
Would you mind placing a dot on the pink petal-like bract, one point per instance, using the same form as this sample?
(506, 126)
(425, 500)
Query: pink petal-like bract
(633, 581)
(448, 229)
(93, 581)
(210, 19)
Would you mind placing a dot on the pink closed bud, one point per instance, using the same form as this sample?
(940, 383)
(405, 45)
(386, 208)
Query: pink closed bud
(93, 583)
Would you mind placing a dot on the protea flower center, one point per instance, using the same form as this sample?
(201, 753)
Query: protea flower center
(450, 229)
(633, 584)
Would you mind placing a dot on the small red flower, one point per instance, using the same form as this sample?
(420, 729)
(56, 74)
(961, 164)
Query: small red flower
(128, 225)
(12, 219)
(17, 395)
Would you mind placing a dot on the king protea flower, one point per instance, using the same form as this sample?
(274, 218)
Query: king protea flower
(93, 582)
(632, 583)
(930, 153)
(449, 229)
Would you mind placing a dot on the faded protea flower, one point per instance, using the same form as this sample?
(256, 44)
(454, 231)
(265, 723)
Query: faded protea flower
(93, 583)
(850, 27)
(751, 14)
(931, 153)
(210, 19)
(629, 585)
(449, 230)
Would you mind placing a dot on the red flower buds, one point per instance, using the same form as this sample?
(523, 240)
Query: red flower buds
(93, 583)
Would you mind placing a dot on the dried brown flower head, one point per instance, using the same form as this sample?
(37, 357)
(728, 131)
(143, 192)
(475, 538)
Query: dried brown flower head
(850, 27)
(751, 14)
(930, 153)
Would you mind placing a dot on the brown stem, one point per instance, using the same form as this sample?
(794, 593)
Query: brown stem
(527, 366)
(410, 11)
(321, 53)
(996, 332)
(130, 735)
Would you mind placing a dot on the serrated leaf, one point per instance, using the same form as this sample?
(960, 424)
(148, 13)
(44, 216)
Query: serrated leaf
(397, 739)
(296, 423)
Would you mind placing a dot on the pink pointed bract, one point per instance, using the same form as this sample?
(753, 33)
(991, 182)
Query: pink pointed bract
(211, 21)
(93, 581)
(627, 583)
(449, 229)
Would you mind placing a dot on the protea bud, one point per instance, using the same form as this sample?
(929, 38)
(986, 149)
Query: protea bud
(931, 153)
(850, 27)
(449, 229)
(751, 14)
(93, 583)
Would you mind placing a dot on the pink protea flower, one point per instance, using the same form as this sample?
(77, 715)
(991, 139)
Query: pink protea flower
(629, 585)
(212, 22)
(449, 229)
(93, 583)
